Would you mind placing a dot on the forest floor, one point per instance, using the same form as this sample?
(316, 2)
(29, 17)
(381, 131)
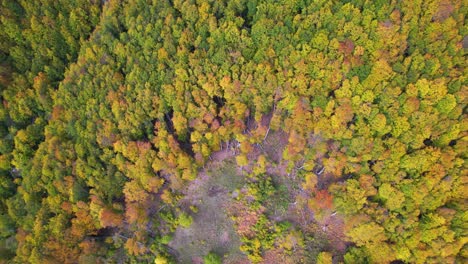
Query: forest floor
(211, 229)
(215, 189)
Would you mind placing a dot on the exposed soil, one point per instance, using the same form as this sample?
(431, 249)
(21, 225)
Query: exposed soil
(212, 229)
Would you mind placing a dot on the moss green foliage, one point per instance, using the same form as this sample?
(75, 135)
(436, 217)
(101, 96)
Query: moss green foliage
(185, 220)
(110, 109)
(212, 258)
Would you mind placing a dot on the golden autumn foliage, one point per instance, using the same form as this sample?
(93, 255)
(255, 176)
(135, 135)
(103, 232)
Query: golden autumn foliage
(344, 121)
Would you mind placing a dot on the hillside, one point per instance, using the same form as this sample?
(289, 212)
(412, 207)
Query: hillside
(243, 131)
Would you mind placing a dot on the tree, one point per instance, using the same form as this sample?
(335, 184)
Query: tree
(394, 199)
(367, 234)
(324, 258)
(109, 218)
(212, 258)
(185, 220)
(352, 199)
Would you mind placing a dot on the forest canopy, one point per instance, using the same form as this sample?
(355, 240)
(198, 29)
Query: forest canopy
(241, 131)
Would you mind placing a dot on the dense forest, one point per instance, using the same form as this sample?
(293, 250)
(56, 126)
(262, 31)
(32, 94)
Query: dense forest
(241, 131)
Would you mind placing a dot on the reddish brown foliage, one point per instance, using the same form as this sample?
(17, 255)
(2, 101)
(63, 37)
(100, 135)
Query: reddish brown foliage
(347, 46)
(444, 11)
(323, 200)
(109, 218)
(245, 219)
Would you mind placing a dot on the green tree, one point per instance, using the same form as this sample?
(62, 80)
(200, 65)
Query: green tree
(212, 258)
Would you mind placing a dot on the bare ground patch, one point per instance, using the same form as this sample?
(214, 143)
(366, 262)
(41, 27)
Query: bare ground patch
(211, 229)
(213, 194)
